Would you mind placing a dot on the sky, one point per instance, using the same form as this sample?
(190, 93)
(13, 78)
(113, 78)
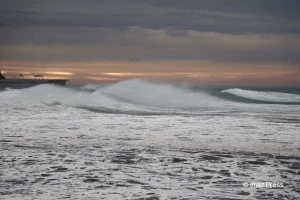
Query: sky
(210, 42)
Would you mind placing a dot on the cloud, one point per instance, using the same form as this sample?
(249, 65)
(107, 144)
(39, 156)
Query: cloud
(83, 44)
(256, 31)
(230, 17)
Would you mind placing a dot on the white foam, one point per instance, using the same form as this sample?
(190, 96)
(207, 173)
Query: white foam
(276, 97)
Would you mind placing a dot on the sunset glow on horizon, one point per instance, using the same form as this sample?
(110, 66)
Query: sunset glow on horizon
(202, 72)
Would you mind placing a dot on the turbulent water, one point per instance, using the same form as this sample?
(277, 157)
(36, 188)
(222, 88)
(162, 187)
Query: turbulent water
(141, 140)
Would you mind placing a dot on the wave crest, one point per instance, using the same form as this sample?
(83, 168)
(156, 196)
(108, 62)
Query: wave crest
(264, 96)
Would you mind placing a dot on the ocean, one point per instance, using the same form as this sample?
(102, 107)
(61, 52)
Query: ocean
(139, 139)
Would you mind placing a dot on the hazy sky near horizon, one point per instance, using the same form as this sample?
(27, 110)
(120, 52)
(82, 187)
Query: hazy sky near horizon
(246, 42)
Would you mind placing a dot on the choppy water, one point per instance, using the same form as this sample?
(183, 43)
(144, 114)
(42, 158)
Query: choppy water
(141, 140)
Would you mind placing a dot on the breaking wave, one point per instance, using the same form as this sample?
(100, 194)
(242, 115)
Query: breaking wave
(264, 96)
(142, 92)
(140, 97)
(134, 96)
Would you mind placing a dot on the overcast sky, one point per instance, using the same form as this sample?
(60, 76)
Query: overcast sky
(210, 41)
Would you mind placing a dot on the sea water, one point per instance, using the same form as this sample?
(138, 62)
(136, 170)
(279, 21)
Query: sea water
(142, 140)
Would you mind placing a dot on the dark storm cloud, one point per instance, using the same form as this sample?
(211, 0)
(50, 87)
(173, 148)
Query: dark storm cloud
(230, 16)
(86, 44)
(288, 8)
(227, 31)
